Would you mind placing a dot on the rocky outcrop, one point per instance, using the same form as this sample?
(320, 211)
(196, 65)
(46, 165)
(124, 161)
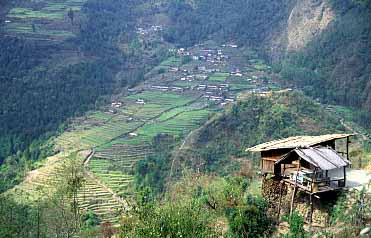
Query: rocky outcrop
(306, 19)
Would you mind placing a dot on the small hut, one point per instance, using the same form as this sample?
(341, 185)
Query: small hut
(313, 169)
(273, 151)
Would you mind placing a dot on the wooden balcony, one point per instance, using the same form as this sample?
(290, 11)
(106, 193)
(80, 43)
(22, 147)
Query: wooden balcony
(316, 185)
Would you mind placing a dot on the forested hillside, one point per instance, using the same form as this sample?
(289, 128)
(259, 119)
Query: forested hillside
(131, 118)
(223, 140)
(46, 81)
(335, 65)
(321, 47)
(219, 146)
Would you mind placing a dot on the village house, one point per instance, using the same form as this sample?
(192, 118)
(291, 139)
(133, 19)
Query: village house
(161, 88)
(202, 76)
(177, 89)
(274, 151)
(116, 104)
(312, 164)
(140, 101)
(174, 69)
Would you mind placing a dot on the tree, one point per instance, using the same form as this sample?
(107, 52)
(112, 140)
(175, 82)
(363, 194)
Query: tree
(60, 210)
(71, 15)
(296, 223)
(249, 220)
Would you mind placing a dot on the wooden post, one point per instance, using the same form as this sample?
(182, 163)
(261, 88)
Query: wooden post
(311, 212)
(347, 147)
(292, 200)
(279, 202)
(345, 175)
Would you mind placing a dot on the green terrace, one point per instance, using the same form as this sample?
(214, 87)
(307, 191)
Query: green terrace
(219, 76)
(43, 19)
(259, 64)
(113, 162)
(23, 13)
(172, 62)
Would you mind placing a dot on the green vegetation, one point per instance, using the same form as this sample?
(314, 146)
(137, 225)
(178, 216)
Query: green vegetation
(172, 62)
(30, 13)
(147, 163)
(219, 77)
(41, 92)
(319, 72)
(254, 120)
(57, 214)
(153, 171)
(198, 206)
(333, 67)
(296, 223)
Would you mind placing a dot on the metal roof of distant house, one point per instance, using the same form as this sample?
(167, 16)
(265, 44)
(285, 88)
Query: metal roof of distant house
(321, 157)
(296, 141)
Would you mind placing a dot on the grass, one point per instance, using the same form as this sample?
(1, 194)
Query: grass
(45, 22)
(259, 64)
(240, 86)
(185, 83)
(172, 62)
(219, 77)
(24, 13)
(177, 125)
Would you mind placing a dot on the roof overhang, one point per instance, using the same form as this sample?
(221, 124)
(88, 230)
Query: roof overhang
(321, 157)
(297, 142)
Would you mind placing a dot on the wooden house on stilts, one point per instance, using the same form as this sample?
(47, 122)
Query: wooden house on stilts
(310, 164)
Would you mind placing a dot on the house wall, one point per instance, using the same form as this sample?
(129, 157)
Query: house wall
(268, 158)
(267, 166)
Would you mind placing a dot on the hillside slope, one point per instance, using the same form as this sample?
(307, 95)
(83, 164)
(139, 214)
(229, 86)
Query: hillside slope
(57, 59)
(219, 144)
(319, 46)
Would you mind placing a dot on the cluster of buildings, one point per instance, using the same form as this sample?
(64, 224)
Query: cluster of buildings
(167, 88)
(114, 107)
(148, 30)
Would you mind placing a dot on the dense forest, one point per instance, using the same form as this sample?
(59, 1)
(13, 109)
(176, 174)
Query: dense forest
(335, 66)
(40, 93)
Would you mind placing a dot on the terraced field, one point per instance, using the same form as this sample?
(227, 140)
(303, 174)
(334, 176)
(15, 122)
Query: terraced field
(114, 166)
(170, 113)
(93, 196)
(172, 62)
(122, 133)
(219, 76)
(101, 201)
(44, 19)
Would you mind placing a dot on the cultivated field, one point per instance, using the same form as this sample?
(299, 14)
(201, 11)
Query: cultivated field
(176, 100)
(44, 19)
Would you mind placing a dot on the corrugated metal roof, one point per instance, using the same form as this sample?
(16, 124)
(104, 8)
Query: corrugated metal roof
(296, 141)
(324, 158)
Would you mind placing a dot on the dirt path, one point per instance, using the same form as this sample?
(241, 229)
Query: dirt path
(91, 155)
